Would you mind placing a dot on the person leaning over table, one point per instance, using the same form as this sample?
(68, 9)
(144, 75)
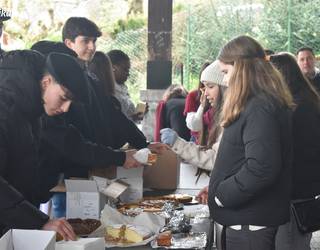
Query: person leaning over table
(67, 142)
(250, 184)
(215, 86)
(78, 140)
(29, 87)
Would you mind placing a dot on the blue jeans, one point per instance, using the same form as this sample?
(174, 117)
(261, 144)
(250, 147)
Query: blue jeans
(58, 205)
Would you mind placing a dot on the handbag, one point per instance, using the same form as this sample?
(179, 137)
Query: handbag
(307, 214)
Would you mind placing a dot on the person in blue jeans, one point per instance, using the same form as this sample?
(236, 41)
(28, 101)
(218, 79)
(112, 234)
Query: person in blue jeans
(58, 205)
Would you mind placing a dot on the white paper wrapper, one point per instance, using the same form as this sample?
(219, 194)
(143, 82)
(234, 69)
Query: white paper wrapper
(197, 211)
(153, 222)
(142, 155)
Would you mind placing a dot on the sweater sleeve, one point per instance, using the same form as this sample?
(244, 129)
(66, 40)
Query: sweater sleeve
(127, 131)
(191, 104)
(15, 210)
(194, 120)
(193, 154)
(127, 106)
(263, 164)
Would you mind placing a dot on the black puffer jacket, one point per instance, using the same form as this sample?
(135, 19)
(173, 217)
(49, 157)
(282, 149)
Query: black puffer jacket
(84, 138)
(306, 148)
(173, 117)
(20, 109)
(252, 172)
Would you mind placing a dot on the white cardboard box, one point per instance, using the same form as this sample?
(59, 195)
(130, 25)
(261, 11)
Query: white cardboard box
(188, 177)
(83, 199)
(82, 244)
(18, 239)
(134, 178)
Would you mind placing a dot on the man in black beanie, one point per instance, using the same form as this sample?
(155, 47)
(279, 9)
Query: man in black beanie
(30, 86)
(66, 144)
(46, 47)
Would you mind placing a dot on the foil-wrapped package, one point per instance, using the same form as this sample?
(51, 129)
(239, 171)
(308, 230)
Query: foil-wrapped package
(179, 223)
(185, 241)
(168, 209)
(189, 240)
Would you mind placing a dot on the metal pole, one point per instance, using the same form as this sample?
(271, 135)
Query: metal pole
(289, 26)
(188, 48)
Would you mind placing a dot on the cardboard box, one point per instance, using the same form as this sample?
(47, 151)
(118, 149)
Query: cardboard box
(188, 178)
(83, 199)
(82, 244)
(134, 178)
(61, 186)
(115, 189)
(164, 174)
(109, 172)
(18, 239)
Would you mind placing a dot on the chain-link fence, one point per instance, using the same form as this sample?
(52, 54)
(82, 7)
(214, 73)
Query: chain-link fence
(133, 43)
(199, 31)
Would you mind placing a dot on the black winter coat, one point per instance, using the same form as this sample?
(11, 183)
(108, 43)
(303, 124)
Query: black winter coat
(174, 118)
(20, 109)
(316, 82)
(252, 172)
(306, 148)
(85, 137)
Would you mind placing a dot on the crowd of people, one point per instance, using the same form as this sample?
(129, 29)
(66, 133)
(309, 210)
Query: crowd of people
(252, 125)
(261, 146)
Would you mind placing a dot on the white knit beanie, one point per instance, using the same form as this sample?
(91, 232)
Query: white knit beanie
(213, 74)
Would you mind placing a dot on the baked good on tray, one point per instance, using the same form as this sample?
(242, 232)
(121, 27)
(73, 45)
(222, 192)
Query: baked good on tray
(181, 198)
(133, 209)
(127, 233)
(84, 227)
(153, 204)
(152, 158)
(164, 239)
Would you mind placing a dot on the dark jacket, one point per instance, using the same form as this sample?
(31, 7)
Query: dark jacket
(252, 172)
(174, 118)
(85, 137)
(306, 148)
(316, 81)
(20, 109)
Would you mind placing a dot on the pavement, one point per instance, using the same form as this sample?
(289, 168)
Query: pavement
(315, 241)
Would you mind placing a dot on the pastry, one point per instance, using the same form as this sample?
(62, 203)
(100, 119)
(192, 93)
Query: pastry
(164, 239)
(152, 158)
(84, 227)
(181, 198)
(127, 233)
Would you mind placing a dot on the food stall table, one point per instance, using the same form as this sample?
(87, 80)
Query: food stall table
(202, 227)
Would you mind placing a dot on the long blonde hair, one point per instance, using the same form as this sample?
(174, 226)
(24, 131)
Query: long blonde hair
(252, 75)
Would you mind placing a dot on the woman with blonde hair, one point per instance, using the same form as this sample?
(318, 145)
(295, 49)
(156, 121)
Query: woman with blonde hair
(249, 189)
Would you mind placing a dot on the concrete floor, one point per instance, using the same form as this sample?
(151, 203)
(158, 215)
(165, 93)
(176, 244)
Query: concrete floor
(315, 241)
